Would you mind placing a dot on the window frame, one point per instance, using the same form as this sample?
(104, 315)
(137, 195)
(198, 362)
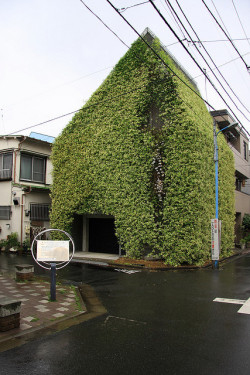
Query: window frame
(8, 213)
(245, 150)
(33, 157)
(2, 155)
(39, 206)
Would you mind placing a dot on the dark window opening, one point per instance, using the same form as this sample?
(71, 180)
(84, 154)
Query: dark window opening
(39, 212)
(238, 184)
(32, 168)
(245, 150)
(102, 238)
(6, 166)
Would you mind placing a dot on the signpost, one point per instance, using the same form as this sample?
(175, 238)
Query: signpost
(215, 240)
(52, 255)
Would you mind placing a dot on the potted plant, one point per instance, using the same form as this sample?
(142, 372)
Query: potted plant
(243, 243)
(26, 244)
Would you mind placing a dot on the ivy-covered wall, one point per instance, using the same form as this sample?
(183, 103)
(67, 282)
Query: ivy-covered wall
(141, 150)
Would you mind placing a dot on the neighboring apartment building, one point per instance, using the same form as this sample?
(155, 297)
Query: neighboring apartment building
(25, 179)
(239, 144)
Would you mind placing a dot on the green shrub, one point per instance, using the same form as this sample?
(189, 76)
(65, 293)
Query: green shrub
(246, 222)
(12, 241)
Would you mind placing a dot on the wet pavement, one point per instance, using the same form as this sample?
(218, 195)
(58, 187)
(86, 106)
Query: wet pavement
(36, 308)
(156, 323)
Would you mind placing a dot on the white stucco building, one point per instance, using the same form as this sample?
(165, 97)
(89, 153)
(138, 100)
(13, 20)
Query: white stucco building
(25, 179)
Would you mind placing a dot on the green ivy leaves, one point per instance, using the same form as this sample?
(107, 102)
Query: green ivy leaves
(104, 163)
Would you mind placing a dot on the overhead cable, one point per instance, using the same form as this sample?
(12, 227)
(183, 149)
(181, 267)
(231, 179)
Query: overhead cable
(212, 60)
(169, 26)
(230, 40)
(240, 22)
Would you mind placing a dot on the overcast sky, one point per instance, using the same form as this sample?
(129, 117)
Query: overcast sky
(56, 53)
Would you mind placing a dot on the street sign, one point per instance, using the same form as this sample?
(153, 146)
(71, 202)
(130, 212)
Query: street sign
(215, 239)
(53, 254)
(52, 251)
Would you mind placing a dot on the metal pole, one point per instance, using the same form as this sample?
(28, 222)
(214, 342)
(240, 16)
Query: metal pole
(216, 163)
(53, 282)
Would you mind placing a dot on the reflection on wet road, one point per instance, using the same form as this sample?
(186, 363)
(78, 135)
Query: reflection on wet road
(156, 323)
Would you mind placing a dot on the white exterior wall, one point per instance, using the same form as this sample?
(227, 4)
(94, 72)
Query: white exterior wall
(26, 191)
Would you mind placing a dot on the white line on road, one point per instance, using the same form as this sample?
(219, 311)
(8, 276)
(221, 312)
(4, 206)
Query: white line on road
(228, 300)
(245, 309)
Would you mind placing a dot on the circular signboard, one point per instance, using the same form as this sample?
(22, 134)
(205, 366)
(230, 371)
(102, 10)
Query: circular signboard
(52, 252)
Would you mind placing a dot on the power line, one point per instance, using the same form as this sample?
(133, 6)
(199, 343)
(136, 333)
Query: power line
(169, 26)
(219, 66)
(240, 22)
(156, 54)
(228, 37)
(163, 61)
(174, 17)
(132, 6)
(210, 57)
(73, 112)
(221, 40)
(104, 23)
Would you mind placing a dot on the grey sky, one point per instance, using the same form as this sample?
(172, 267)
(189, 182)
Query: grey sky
(55, 54)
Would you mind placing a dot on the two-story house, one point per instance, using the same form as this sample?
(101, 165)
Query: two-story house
(238, 141)
(25, 179)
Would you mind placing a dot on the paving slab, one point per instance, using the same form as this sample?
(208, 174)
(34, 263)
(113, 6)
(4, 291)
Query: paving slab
(36, 308)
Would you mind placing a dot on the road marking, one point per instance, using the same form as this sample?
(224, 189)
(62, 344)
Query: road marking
(228, 300)
(245, 309)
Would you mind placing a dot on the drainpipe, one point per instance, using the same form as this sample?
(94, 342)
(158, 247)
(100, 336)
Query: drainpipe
(15, 153)
(15, 162)
(22, 209)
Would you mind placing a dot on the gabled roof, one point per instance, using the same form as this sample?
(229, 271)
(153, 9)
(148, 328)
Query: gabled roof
(149, 36)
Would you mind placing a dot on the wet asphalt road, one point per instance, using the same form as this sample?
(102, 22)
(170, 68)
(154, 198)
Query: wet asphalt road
(157, 323)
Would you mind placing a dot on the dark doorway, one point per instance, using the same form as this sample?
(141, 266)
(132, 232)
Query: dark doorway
(102, 238)
(76, 231)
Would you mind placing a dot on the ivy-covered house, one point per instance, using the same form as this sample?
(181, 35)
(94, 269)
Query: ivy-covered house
(134, 169)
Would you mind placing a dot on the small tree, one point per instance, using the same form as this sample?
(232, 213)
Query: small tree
(246, 223)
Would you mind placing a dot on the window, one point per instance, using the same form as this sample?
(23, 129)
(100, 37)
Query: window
(5, 212)
(6, 166)
(245, 145)
(39, 212)
(32, 168)
(238, 184)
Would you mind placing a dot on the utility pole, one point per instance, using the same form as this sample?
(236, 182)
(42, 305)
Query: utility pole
(215, 223)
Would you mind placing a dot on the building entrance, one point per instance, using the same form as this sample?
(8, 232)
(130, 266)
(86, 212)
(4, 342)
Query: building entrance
(102, 238)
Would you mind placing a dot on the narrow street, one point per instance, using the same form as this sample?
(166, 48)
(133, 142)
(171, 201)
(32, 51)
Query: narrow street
(156, 323)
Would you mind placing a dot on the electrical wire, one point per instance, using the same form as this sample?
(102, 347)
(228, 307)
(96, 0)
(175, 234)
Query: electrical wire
(163, 61)
(176, 20)
(212, 60)
(73, 112)
(132, 6)
(219, 66)
(86, 107)
(222, 40)
(226, 34)
(104, 23)
(240, 22)
(169, 26)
